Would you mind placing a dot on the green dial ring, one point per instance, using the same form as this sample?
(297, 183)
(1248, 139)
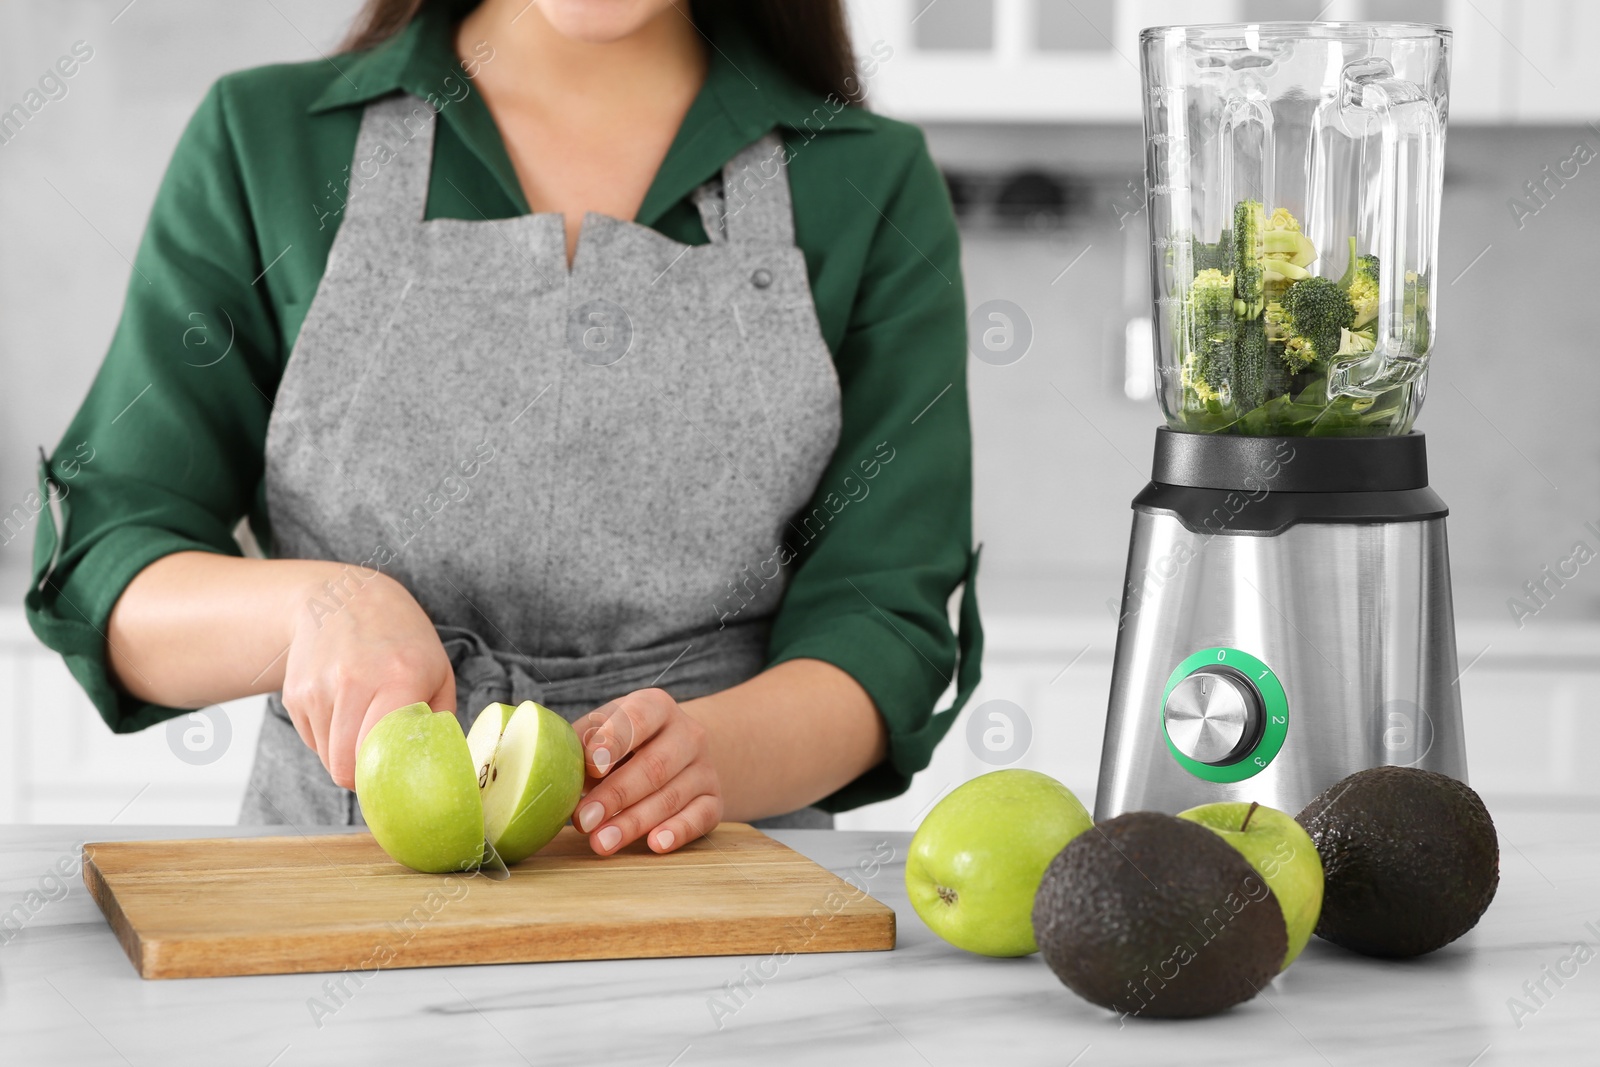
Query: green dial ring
(1274, 710)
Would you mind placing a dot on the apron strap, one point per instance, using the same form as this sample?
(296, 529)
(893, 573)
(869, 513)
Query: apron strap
(755, 194)
(708, 201)
(393, 161)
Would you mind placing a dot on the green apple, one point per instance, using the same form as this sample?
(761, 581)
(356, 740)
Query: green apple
(439, 800)
(418, 791)
(1281, 851)
(976, 860)
(530, 767)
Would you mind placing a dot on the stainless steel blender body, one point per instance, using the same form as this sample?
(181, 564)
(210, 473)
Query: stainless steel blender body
(1355, 621)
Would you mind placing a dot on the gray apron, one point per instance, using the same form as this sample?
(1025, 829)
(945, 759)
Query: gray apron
(569, 469)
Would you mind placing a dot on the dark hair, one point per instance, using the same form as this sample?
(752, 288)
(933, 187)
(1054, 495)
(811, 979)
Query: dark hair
(809, 39)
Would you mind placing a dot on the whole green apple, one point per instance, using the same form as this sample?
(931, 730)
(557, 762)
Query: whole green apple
(1281, 851)
(976, 860)
(419, 792)
(530, 768)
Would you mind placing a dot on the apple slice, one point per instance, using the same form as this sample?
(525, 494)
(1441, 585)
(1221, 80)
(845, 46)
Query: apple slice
(418, 793)
(529, 767)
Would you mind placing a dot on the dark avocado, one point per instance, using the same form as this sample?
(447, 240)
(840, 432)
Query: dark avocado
(1410, 859)
(1151, 915)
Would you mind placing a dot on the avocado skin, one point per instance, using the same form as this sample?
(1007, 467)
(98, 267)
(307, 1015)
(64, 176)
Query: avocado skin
(1410, 860)
(1122, 914)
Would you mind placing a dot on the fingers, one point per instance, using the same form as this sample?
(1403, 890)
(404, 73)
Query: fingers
(649, 775)
(611, 732)
(681, 810)
(300, 721)
(648, 769)
(346, 671)
(310, 708)
(699, 818)
(352, 716)
(442, 700)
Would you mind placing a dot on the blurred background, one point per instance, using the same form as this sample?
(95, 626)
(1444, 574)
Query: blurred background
(1031, 108)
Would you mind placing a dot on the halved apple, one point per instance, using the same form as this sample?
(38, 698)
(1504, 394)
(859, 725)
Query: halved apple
(438, 800)
(418, 793)
(530, 768)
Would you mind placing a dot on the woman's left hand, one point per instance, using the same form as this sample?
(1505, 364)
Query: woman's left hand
(649, 774)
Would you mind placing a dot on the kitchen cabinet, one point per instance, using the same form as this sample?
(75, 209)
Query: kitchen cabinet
(1009, 60)
(1550, 74)
(1053, 61)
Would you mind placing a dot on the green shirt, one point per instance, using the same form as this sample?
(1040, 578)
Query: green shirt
(166, 453)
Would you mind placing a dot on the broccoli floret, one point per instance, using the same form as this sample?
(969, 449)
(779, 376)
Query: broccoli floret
(1249, 259)
(1363, 289)
(1277, 321)
(1209, 311)
(1212, 293)
(1315, 311)
(1248, 386)
(1210, 256)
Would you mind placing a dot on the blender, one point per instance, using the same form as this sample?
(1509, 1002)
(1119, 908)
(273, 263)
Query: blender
(1286, 618)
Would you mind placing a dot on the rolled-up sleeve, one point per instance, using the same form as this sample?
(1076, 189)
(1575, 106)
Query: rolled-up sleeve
(887, 539)
(165, 453)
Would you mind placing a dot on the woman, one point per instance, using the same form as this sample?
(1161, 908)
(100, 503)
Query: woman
(699, 481)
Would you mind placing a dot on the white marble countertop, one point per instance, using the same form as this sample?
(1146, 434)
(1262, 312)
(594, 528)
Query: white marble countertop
(69, 996)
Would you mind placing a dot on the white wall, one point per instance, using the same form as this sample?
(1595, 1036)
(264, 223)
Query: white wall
(77, 183)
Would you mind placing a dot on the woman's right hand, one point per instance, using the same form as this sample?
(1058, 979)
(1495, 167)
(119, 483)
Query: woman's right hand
(361, 647)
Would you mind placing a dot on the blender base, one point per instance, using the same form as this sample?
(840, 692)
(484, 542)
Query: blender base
(1312, 608)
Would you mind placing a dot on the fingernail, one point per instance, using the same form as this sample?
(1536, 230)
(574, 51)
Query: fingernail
(608, 838)
(665, 839)
(602, 759)
(589, 815)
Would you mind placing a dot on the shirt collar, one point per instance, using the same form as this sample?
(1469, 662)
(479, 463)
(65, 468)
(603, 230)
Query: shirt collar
(417, 60)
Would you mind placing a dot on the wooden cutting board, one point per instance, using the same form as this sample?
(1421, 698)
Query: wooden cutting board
(283, 905)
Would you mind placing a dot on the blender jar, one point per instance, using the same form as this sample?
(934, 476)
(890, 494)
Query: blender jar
(1294, 177)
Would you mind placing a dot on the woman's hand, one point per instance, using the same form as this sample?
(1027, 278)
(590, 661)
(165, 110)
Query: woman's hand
(649, 774)
(360, 649)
